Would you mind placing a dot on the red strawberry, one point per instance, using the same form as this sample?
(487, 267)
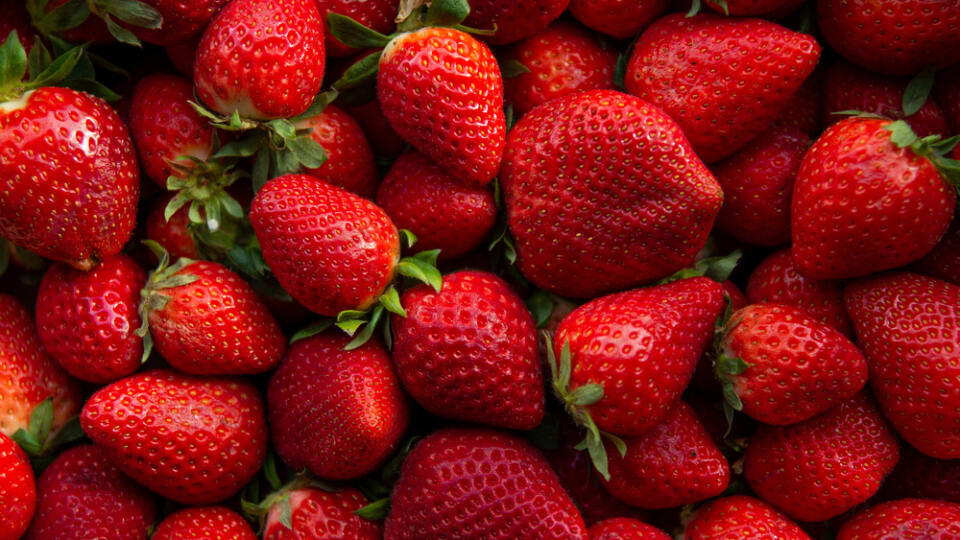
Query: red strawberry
(338, 413)
(905, 518)
(625, 529)
(173, 234)
(318, 513)
(513, 19)
(583, 229)
(479, 483)
(443, 211)
(18, 491)
(194, 440)
(83, 494)
(87, 320)
(14, 17)
(900, 39)
(262, 58)
(822, 467)
(757, 185)
(803, 108)
(374, 14)
(469, 352)
(618, 18)
(383, 139)
(753, 7)
(182, 54)
(442, 92)
(181, 20)
(740, 516)
(944, 261)
(723, 80)
(350, 162)
(907, 326)
(212, 522)
(562, 59)
(920, 476)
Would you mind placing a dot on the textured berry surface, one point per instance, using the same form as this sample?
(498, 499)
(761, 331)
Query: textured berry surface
(315, 513)
(513, 19)
(906, 518)
(349, 163)
(18, 489)
(172, 234)
(741, 516)
(213, 523)
(625, 529)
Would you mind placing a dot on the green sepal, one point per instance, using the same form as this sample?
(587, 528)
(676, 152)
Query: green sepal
(509, 120)
(361, 71)
(317, 106)
(512, 69)
(901, 134)
(312, 330)
(270, 471)
(13, 61)
(587, 394)
(731, 365)
(541, 305)
(620, 71)
(350, 326)
(92, 87)
(593, 443)
(33, 438)
(446, 13)
(353, 34)
(134, 12)
(390, 300)
(374, 511)
(407, 238)
(422, 267)
(918, 90)
(151, 299)
(716, 268)
(695, 7)
(501, 237)
(64, 17)
(367, 332)
(723, 6)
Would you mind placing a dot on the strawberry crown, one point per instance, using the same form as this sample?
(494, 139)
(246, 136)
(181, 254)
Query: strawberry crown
(151, 298)
(933, 147)
(73, 68)
(39, 440)
(75, 12)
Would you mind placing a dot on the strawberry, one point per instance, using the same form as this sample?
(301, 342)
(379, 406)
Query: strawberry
(261, 58)
(905, 518)
(723, 80)
(803, 108)
(377, 15)
(469, 352)
(741, 516)
(87, 320)
(14, 17)
(172, 234)
(920, 476)
(182, 54)
(194, 440)
(383, 139)
(181, 20)
(907, 326)
(753, 7)
(618, 18)
(18, 491)
(479, 483)
(673, 463)
(900, 39)
(821, 467)
(338, 413)
(780, 366)
(582, 229)
(318, 513)
(350, 162)
(444, 212)
(625, 529)
(83, 494)
(944, 261)
(868, 197)
(561, 59)
(757, 184)
(513, 19)
(212, 522)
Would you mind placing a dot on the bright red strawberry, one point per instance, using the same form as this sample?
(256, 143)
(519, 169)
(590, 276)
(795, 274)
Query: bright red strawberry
(822, 467)
(443, 211)
(757, 185)
(262, 58)
(83, 495)
(87, 320)
(905, 518)
(513, 19)
(350, 162)
(442, 91)
(781, 366)
(479, 483)
(618, 18)
(595, 217)
(740, 516)
(920, 476)
(374, 14)
(753, 7)
(944, 261)
(899, 38)
(723, 80)
(469, 352)
(318, 513)
(338, 413)
(625, 529)
(212, 522)
(18, 491)
(674, 463)
(907, 326)
(562, 59)
(194, 440)
(173, 234)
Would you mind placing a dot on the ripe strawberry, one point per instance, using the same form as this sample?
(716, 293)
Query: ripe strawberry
(920, 476)
(905, 518)
(944, 261)
(803, 108)
(443, 211)
(823, 466)
(318, 513)
(18, 491)
(757, 185)
(87, 320)
(171, 234)
(618, 18)
(181, 20)
(625, 529)
(907, 326)
(380, 134)
(262, 58)
(597, 217)
(374, 14)
(723, 80)
(479, 483)
(562, 59)
(513, 19)
(212, 522)
(740, 516)
(753, 7)
(350, 162)
(338, 413)
(194, 440)
(182, 54)
(442, 91)
(83, 494)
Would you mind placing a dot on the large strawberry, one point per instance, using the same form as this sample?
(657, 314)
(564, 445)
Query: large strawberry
(18, 490)
(195, 440)
(724, 80)
(904, 518)
(513, 19)
(907, 326)
(618, 18)
(625, 529)
(311, 512)
(212, 522)
(603, 192)
(741, 516)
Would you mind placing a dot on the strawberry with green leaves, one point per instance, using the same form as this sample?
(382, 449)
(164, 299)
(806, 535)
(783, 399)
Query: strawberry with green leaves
(18, 490)
(378, 15)
(209, 522)
(299, 512)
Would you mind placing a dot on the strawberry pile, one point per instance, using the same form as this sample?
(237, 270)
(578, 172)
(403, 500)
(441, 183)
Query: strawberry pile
(497, 270)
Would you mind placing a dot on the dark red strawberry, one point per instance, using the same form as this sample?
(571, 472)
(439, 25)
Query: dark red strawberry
(920, 476)
(803, 108)
(753, 7)
(946, 90)
(350, 162)
(622, 203)
(944, 261)
(182, 54)
(181, 20)
(14, 17)
(377, 15)
(18, 490)
(740, 516)
(171, 234)
(625, 529)
(318, 513)
(618, 18)
(194, 440)
(513, 19)
(383, 139)
(212, 522)
(905, 518)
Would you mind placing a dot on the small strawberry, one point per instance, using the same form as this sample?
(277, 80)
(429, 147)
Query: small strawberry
(625, 529)
(905, 518)
(173, 234)
(944, 261)
(513, 19)
(194, 440)
(310, 512)
(212, 522)
(621, 19)
(377, 15)
(350, 162)
(740, 516)
(18, 491)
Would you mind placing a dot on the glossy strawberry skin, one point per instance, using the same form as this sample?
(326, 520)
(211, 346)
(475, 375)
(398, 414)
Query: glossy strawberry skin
(642, 347)
(152, 425)
(741, 516)
(582, 229)
(444, 212)
(172, 234)
(442, 91)
(479, 483)
(618, 18)
(350, 162)
(349, 243)
(907, 325)
(374, 14)
(213, 522)
(944, 261)
(469, 352)
(86, 320)
(821, 467)
(315, 513)
(83, 494)
(513, 19)
(18, 490)
(263, 58)
(70, 177)
(337, 413)
(904, 518)
(683, 66)
(625, 529)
